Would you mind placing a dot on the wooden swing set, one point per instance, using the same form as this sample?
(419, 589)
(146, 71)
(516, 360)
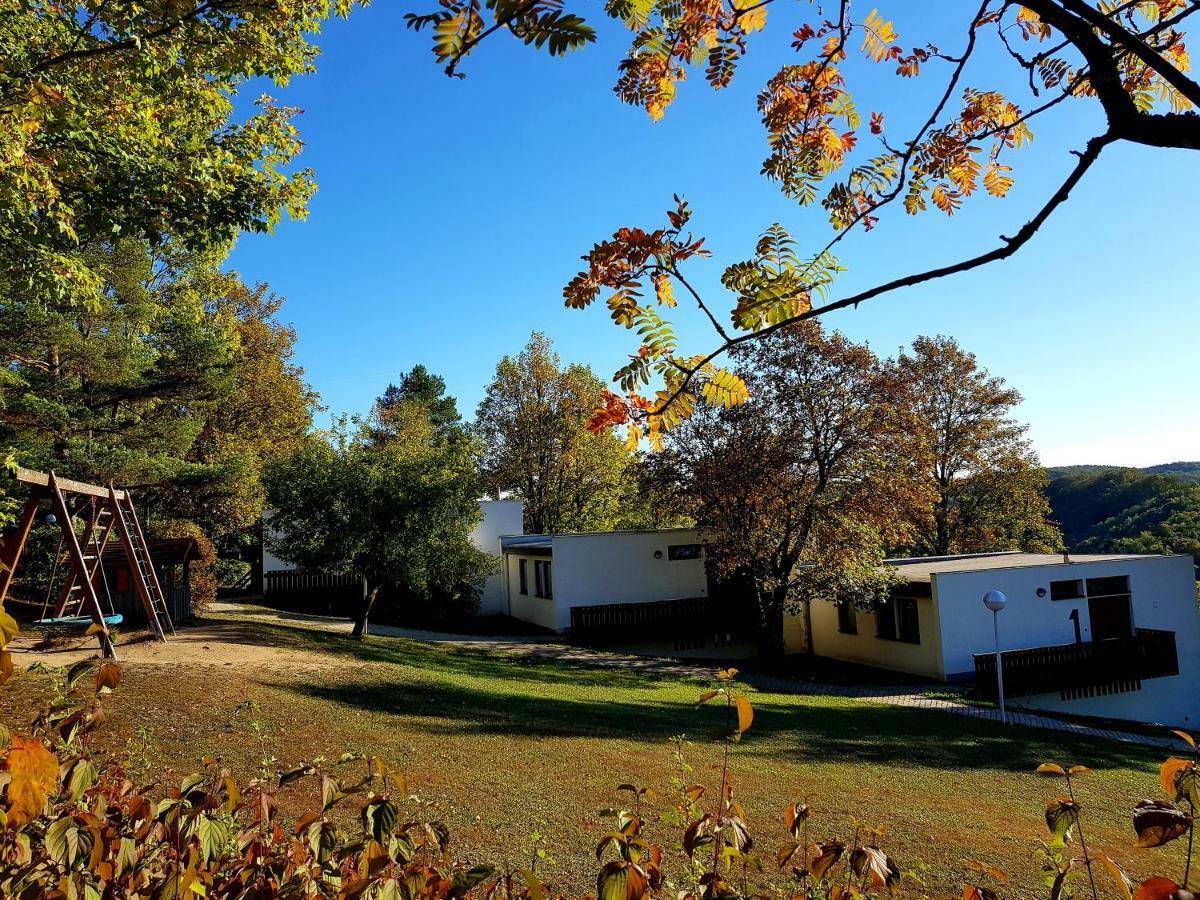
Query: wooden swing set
(107, 513)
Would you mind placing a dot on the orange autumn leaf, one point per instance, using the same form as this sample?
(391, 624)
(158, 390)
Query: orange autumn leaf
(33, 772)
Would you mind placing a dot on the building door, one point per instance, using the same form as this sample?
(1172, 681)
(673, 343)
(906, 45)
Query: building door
(1110, 617)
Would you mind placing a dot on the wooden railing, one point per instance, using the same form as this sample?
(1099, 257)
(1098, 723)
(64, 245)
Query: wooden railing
(1083, 666)
(313, 591)
(686, 617)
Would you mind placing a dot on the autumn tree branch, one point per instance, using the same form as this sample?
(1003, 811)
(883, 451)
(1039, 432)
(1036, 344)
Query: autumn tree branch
(1010, 245)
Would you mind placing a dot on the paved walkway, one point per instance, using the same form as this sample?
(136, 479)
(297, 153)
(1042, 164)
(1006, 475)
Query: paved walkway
(941, 699)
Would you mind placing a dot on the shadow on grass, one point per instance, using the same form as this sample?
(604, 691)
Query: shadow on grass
(847, 731)
(435, 658)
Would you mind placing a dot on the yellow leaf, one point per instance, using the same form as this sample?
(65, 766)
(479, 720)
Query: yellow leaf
(33, 772)
(8, 628)
(754, 20)
(663, 290)
(745, 713)
(1051, 769)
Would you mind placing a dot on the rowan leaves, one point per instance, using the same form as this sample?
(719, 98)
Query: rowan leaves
(460, 24)
(819, 153)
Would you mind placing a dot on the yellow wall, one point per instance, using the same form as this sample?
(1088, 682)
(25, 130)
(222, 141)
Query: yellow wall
(924, 658)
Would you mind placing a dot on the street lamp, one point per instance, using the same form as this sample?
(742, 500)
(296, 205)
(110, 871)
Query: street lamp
(996, 601)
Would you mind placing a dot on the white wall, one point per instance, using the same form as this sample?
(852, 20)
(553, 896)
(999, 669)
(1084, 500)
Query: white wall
(924, 658)
(610, 567)
(1163, 596)
(620, 567)
(271, 562)
(500, 517)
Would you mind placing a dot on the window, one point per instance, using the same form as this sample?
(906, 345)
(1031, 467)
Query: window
(684, 551)
(1110, 610)
(847, 617)
(1066, 590)
(908, 620)
(1108, 587)
(885, 619)
(898, 619)
(541, 579)
(524, 576)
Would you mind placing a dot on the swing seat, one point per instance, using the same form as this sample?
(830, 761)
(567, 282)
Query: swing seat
(76, 621)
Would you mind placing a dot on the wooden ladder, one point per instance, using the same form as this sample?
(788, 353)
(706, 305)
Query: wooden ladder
(95, 539)
(80, 565)
(141, 567)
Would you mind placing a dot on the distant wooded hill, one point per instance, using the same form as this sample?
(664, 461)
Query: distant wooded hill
(1111, 509)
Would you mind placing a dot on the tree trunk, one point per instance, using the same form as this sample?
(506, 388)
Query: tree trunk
(364, 612)
(770, 634)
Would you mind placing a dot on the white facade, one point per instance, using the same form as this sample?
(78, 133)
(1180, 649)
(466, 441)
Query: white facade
(599, 568)
(500, 517)
(952, 624)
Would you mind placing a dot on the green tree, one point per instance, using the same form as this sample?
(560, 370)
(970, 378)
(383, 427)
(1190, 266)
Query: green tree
(799, 491)
(400, 513)
(117, 121)
(1127, 511)
(422, 392)
(176, 380)
(532, 424)
(990, 488)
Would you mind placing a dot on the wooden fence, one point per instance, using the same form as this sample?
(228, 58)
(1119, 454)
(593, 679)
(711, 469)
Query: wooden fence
(686, 617)
(317, 592)
(1089, 667)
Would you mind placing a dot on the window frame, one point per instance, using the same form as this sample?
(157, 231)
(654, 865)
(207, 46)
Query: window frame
(523, 576)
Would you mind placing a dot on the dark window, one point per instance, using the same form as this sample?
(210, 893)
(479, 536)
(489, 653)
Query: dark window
(1109, 607)
(1108, 587)
(847, 617)
(524, 576)
(1066, 590)
(908, 621)
(541, 579)
(898, 619)
(885, 619)
(684, 551)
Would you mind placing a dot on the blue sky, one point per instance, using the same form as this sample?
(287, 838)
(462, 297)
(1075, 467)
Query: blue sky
(451, 213)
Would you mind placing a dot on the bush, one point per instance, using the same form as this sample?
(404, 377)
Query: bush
(75, 826)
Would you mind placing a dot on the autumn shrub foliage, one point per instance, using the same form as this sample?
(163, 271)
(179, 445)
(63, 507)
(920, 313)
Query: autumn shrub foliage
(77, 824)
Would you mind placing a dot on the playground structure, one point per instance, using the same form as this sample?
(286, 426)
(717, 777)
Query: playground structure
(107, 513)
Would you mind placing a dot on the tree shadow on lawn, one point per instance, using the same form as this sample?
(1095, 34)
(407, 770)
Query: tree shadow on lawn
(435, 658)
(784, 727)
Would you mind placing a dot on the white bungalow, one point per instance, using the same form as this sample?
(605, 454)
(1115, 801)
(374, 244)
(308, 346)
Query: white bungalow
(588, 582)
(1112, 636)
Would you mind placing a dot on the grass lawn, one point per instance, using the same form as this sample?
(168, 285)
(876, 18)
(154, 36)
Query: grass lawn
(498, 747)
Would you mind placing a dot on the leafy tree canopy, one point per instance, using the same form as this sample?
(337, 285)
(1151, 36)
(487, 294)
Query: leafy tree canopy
(989, 487)
(399, 512)
(533, 427)
(420, 395)
(801, 490)
(175, 379)
(116, 122)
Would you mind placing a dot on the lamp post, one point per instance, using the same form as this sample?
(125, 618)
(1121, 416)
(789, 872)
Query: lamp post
(996, 601)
